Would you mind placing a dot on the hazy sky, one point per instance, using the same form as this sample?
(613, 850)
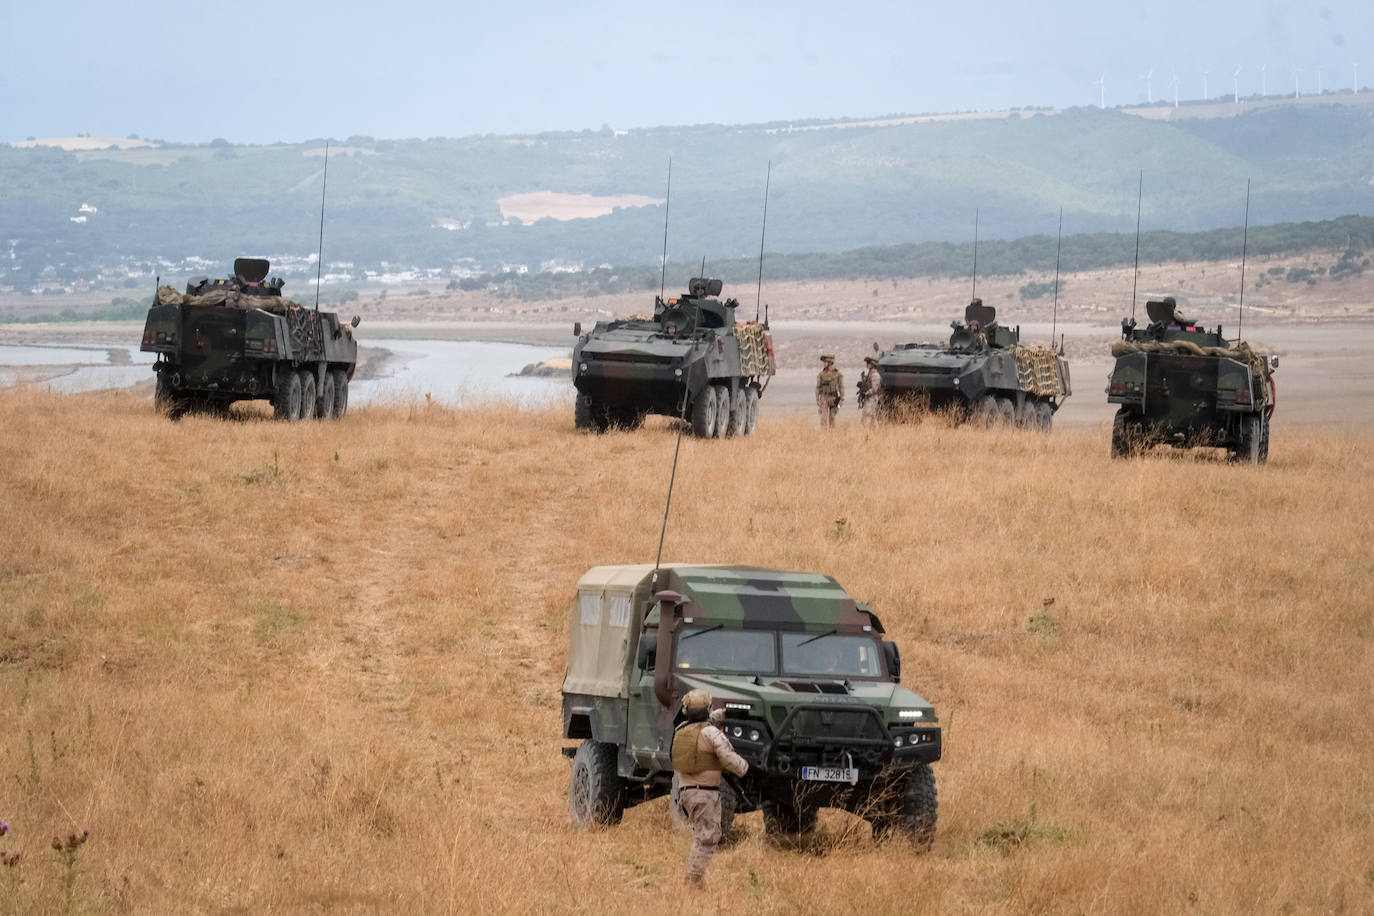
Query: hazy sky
(256, 72)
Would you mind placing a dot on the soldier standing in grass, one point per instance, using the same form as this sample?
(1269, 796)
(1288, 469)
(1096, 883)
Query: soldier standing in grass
(829, 390)
(701, 752)
(870, 391)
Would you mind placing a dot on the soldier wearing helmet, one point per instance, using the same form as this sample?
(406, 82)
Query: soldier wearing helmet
(701, 753)
(829, 390)
(870, 391)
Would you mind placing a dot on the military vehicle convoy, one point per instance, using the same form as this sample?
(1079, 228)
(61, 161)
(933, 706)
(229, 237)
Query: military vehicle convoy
(809, 687)
(1178, 383)
(690, 360)
(984, 372)
(235, 339)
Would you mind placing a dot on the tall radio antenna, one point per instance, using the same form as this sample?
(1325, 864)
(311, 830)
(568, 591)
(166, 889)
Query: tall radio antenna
(319, 264)
(667, 202)
(1244, 240)
(1058, 246)
(975, 254)
(762, 235)
(1135, 275)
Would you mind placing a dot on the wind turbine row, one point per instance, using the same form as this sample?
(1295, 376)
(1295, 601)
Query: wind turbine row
(1148, 77)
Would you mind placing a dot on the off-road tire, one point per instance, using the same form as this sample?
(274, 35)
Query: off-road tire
(723, 412)
(739, 413)
(751, 410)
(1026, 415)
(582, 413)
(1264, 439)
(1044, 415)
(781, 819)
(1253, 448)
(984, 411)
(1121, 434)
(308, 402)
(915, 810)
(596, 794)
(729, 803)
(286, 396)
(704, 413)
(340, 405)
(1006, 412)
(324, 400)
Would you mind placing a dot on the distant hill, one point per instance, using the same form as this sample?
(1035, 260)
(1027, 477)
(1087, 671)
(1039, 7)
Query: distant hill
(438, 203)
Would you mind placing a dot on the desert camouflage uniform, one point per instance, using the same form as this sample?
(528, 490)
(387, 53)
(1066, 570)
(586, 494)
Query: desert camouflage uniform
(702, 805)
(872, 388)
(829, 393)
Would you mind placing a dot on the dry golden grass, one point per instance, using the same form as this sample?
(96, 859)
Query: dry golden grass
(316, 667)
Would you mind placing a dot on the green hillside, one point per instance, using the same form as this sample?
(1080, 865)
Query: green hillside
(834, 189)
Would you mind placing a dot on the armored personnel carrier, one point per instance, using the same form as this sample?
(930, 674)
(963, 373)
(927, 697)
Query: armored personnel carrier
(984, 372)
(810, 690)
(240, 339)
(1178, 383)
(690, 360)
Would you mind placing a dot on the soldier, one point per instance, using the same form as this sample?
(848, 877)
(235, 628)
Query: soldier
(870, 391)
(980, 338)
(829, 390)
(700, 753)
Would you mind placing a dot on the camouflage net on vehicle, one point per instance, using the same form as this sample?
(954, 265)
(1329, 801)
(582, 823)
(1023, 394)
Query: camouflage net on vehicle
(1241, 353)
(754, 358)
(1037, 371)
(167, 295)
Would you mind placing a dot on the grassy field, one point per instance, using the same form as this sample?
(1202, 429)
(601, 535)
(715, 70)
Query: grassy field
(316, 667)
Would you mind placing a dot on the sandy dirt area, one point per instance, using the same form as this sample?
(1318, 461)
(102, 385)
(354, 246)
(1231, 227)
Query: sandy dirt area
(532, 207)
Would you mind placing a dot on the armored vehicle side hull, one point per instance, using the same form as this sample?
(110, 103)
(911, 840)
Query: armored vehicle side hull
(809, 690)
(1025, 385)
(211, 355)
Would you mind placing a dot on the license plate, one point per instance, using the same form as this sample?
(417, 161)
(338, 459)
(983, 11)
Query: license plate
(831, 774)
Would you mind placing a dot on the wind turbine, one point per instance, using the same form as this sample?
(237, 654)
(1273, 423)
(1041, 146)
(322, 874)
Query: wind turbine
(1355, 81)
(1205, 95)
(1297, 88)
(1321, 71)
(1235, 84)
(1102, 91)
(1264, 85)
(1173, 84)
(1149, 87)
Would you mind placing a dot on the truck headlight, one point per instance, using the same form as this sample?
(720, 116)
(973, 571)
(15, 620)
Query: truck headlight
(753, 734)
(677, 372)
(581, 367)
(910, 713)
(897, 741)
(737, 731)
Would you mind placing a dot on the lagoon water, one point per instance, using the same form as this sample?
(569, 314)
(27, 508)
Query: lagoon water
(449, 371)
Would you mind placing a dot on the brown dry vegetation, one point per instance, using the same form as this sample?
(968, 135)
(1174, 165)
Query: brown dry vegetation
(315, 667)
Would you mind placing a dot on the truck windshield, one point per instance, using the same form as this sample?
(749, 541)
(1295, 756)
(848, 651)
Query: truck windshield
(831, 655)
(711, 649)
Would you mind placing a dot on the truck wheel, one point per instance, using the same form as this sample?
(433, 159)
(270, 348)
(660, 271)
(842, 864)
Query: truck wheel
(751, 410)
(739, 413)
(984, 411)
(307, 394)
(164, 395)
(704, 413)
(1006, 413)
(595, 794)
(1044, 414)
(1027, 417)
(722, 411)
(913, 812)
(729, 804)
(340, 405)
(324, 403)
(784, 820)
(1250, 440)
(1121, 434)
(286, 397)
(1264, 438)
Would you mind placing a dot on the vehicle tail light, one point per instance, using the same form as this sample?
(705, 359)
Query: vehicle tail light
(147, 338)
(1242, 395)
(269, 346)
(1117, 388)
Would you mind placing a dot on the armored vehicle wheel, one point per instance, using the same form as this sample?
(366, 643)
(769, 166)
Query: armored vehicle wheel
(984, 410)
(1044, 414)
(582, 413)
(165, 395)
(781, 819)
(704, 413)
(1026, 416)
(308, 402)
(1006, 413)
(722, 411)
(751, 410)
(340, 406)
(1254, 440)
(1124, 434)
(595, 794)
(739, 413)
(286, 397)
(324, 403)
(913, 812)
(729, 803)
(1264, 438)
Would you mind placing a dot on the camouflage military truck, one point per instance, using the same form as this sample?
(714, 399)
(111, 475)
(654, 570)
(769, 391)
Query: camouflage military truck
(1181, 384)
(984, 372)
(239, 339)
(809, 687)
(691, 359)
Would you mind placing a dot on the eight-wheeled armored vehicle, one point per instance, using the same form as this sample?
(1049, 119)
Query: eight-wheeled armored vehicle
(239, 338)
(1178, 383)
(690, 360)
(984, 371)
(810, 690)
